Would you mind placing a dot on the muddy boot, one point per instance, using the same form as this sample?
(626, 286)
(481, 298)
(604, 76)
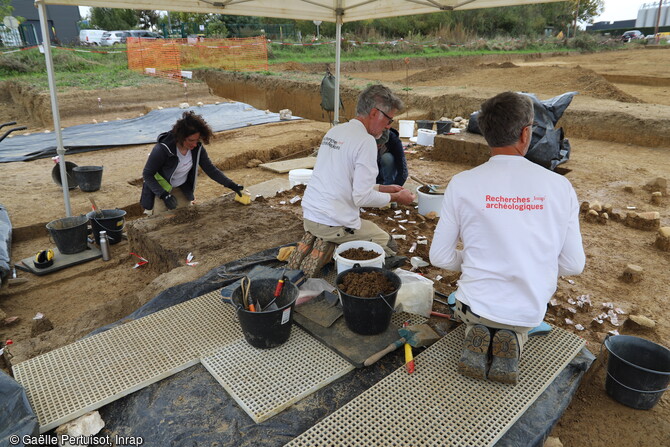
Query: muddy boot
(321, 254)
(475, 352)
(505, 357)
(302, 249)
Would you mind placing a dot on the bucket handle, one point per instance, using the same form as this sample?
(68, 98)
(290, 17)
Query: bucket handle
(636, 390)
(113, 229)
(381, 295)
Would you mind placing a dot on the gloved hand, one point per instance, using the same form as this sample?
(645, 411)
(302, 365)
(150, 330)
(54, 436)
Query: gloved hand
(238, 189)
(170, 200)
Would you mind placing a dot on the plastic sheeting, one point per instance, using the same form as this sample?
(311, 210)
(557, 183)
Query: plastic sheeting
(142, 130)
(548, 147)
(191, 408)
(16, 415)
(5, 241)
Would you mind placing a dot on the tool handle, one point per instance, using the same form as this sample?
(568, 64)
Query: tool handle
(439, 314)
(420, 181)
(279, 287)
(390, 348)
(409, 359)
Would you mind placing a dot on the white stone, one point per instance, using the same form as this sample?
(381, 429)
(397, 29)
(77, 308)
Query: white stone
(184, 105)
(86, 425)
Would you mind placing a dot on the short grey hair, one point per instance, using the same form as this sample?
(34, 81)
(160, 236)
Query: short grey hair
(377, 96)
(503, 117)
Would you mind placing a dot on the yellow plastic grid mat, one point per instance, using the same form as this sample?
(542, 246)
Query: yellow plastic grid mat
(436, 406)
(264, 382)
(75, 379)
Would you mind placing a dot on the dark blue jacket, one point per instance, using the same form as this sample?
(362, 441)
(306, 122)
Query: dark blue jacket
(394, 147)
(164, 160)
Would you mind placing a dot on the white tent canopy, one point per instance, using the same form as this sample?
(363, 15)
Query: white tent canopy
(337, 11)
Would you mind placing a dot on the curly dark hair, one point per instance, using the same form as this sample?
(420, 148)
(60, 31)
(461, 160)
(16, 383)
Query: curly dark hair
(190, 123)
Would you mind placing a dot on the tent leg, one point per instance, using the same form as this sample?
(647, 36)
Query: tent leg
(46, 45)
(338, 50)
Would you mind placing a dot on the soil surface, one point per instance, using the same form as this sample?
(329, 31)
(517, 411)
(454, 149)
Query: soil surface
(217, 229)
(366, 285)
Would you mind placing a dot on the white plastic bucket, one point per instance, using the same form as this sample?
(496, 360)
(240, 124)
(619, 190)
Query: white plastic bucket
(344, 264)
(429, 202)
(299, 176)
(406, 128)
(426, 137)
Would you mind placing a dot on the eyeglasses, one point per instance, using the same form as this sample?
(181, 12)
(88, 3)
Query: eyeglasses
(387, 117)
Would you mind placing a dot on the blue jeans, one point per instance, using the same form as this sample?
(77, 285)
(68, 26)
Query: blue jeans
(387, 168)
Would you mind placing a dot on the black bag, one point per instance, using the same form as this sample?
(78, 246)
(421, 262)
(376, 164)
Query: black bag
(328, 93)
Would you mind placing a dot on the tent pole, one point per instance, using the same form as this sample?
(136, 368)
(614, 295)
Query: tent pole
(46, 45)
(338, 50)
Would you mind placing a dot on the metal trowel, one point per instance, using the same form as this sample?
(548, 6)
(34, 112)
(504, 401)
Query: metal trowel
(324, 309)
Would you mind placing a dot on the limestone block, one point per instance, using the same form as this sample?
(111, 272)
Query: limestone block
(40, 325)
(597, 206)
(617, 216)
(86, 425)
(663, 239)
(603, 218)
(553, 442)
(607, 208)
(648, 221)
(584, 207)
(640, 322)
(657, 184)
(632, 273)
(592, 216)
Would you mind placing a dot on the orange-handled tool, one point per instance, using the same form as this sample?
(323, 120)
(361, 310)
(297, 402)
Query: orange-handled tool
(409, 357)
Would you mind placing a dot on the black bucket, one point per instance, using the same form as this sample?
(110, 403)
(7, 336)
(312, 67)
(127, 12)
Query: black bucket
(444, 127)
(70, 234)
(270, 328)
(111, 221)
(424, 124)
(368, 316)
(88, 178)
(638, 371)
(71, 181)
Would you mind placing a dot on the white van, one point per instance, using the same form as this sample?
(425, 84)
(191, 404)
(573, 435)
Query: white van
(91, 36)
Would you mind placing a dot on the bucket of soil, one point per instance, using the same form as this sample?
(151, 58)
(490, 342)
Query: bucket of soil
(111, 221)
(444, 127)
(368, 297)
(89, 178)
(270, 325)
(363, 253)
(70, 234)
(429, 201)
(638, 371)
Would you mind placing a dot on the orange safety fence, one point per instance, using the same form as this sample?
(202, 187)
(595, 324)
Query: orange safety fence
(168, 57)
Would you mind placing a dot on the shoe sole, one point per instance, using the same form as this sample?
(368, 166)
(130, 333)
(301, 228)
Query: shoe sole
(302, 249)
(475, 353)
(505, 358)
(320, 255)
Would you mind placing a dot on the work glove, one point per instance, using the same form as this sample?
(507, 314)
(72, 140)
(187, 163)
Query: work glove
(170, 200)
(238, 189)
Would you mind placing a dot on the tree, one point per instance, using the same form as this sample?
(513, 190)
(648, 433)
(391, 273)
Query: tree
(147, 18)
(113, 19)
(6, 8)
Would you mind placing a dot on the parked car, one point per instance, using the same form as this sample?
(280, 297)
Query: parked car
(632, 35)
(91, 36)
(114, 38)
(144, 34)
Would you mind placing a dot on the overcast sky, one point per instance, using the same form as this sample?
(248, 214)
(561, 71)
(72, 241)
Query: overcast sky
(614, 10)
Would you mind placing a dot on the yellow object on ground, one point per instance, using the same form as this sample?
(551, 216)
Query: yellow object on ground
(285, 252)
(245, 199)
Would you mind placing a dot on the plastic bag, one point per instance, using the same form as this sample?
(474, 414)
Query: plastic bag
(312, 288)
(416, 293)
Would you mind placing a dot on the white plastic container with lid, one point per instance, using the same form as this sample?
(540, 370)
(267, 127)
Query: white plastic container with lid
(344, 264)
(299, 176)
(406, 128)
(429, 202)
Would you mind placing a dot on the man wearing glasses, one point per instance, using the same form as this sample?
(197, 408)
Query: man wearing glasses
(344, 181)
(519, 226)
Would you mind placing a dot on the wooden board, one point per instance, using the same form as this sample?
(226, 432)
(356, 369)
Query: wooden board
(283, 167)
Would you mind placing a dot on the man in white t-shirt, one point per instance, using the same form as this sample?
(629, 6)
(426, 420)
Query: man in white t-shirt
(519, 225)
(344, 181)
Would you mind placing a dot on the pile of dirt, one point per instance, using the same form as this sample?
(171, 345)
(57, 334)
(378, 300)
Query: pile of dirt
(433, 73)
(593, 84)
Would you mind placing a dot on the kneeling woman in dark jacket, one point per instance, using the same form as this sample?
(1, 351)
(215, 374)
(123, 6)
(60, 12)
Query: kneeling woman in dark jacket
(171, 170)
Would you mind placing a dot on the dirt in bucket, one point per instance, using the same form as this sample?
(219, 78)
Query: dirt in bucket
(366, 285)
(359, 254)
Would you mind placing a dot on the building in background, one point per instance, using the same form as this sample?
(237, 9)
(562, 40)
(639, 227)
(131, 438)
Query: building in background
(62, 22)
(645, 21)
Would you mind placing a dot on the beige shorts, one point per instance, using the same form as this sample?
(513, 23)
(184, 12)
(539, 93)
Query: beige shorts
(339, 235)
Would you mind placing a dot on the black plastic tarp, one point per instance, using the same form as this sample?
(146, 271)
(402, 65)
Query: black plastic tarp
(16, 415)
(190, 408)
(5, 241)
(142, 130)
(548, 146)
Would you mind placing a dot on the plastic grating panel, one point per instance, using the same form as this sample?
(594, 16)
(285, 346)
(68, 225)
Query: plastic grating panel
(266, 381)
(438, 406)
(75, 379)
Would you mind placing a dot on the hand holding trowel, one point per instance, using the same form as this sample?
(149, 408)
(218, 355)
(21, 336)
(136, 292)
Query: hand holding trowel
(418, 335)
